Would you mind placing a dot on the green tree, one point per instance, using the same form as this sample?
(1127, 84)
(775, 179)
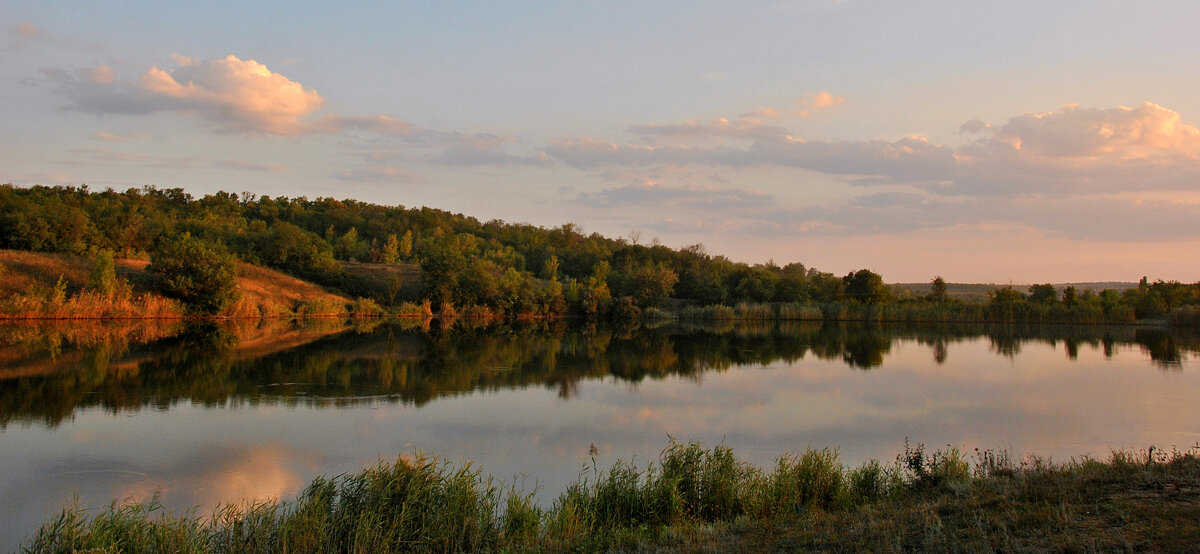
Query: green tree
(866, 286)
(103, 276)
(653, 283)
(1070, 297)
(550, 269)
(391, 250)
(202, 275)
(1043, 294)
(404, 249)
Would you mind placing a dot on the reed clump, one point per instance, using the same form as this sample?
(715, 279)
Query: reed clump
(693, 498)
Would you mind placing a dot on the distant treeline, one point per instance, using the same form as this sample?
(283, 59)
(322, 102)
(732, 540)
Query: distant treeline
(471, 267)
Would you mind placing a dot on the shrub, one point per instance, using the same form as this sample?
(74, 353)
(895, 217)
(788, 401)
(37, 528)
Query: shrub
(200, 274)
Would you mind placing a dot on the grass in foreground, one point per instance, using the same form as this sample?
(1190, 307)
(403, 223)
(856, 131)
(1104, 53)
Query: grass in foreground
(695, 499)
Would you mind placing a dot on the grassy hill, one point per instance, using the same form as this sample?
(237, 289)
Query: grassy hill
(42, 285)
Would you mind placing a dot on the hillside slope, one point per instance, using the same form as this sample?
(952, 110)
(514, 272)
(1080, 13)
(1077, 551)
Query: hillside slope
(28, 282)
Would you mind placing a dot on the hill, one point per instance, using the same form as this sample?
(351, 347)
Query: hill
(36, 285)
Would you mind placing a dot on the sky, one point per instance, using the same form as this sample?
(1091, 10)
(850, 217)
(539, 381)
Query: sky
(999, 142)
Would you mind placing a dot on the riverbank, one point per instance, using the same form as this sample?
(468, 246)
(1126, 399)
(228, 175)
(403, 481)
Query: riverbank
(696, 500)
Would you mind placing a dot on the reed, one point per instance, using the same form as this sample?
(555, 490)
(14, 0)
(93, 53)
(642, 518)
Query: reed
(693, 496)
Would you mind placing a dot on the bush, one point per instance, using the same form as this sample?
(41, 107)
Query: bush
(200, 274)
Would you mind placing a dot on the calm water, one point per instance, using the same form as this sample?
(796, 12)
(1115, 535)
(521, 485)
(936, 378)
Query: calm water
(206, 414)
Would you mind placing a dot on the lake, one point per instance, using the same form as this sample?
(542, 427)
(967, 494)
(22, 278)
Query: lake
(204, 413)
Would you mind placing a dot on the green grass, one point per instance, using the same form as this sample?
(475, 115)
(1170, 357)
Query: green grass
(695, 499)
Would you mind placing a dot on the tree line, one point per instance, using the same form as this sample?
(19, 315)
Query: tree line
(464, 264)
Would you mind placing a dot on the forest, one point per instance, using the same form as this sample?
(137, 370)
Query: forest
(405, 260)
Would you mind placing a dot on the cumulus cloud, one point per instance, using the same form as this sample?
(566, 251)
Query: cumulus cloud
(236, 95)
(246, 96)
(1082, 150)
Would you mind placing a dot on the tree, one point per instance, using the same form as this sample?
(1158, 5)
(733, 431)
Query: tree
(653, 283)
(1042, 294)
(103, 276)
(202, 275)
(937, 289)
(391, 250)
(866, 286)
(550, 268)
(404, 249)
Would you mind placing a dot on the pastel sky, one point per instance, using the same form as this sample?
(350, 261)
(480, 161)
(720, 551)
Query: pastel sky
(983, 141)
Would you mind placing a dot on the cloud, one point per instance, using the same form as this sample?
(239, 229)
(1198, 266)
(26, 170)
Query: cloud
(237, 95)
(246, 96)
(911, 159)
(28, 30)
(745, 127)
(378, 175)
(485, 149)
(102, 75)
(188, 162)
(381, 124)
(649, 192)
(1073, 150)
(1081, 150)
(818, 101)
(110, 137)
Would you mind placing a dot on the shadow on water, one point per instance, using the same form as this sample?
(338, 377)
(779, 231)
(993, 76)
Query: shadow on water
(49, 371)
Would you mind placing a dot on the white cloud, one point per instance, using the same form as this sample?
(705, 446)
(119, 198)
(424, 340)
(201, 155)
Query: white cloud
(237, 95)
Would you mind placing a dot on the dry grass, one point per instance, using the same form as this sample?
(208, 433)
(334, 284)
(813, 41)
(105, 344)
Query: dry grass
(52, 286)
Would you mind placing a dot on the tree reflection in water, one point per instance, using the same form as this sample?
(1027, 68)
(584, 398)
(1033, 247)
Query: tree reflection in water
(47, 371)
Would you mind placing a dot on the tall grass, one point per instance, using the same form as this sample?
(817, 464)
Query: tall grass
(424, 504)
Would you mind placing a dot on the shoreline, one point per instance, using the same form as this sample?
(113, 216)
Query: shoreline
(697, 499)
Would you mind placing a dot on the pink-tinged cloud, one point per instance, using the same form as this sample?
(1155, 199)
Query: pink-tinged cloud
(823, 99)
(1081, 150)
(110, 137)
(745, 127)
(381, 124)
(28, 30)
(907, 160)
(237, 95)
(102, 75)
(818, 101)
(1073, 150)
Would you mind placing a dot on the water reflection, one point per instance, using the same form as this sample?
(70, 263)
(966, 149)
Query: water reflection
(47, 372)
(203, 414)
